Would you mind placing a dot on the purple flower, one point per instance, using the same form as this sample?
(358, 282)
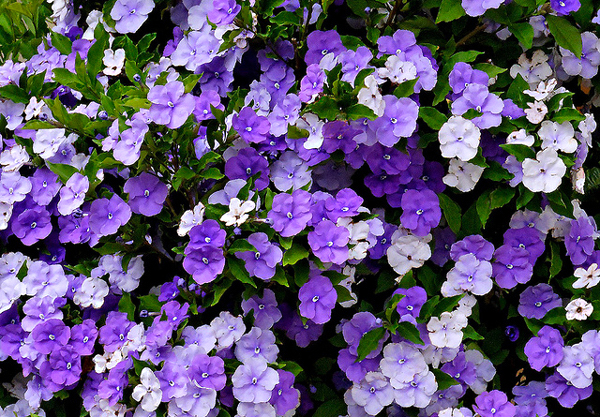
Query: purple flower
(50, 335)
(257, 344)
(170, 106)
(44, 186)
(354, 329)
(494, 404)
(373, 393)
(468, 274)
(83, 337)
(546, 349)
(247, 163)
(312, 83)
(147, 193)
(203, 110)
(511, 266)
(173, 381)
(354, 369)
(576, 366)
(322, 43)
(478, 97)
(354, 61)
(215, 75)
(398, 121)
(262, 263)
(223, 12)
(253, 381)
(129, 15)
(401, 362)
(290, 172)
(525, 238)
(209, 233)
(566, 393)
(537, 300)
(444, 239)
(284, 396)
(73, 194)
(317, 298)
(32, 225)
(329, 242)
(114, 332)
(475, 244)
(251, 127)
(106, 216)
(63, 367)
(420, 211)
(290, 214)
(345, 204)
(264, 309)
(411, 303)
(204, 263)
(477, 8)
(463, 75)
(587, 65)
(580, 239)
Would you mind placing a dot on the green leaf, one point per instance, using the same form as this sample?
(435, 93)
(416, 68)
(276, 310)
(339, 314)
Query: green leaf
(294, 254)
(496, 172)
(369, 342)
(523, 32)
(286, 18)
(334, 407)
(489, 69)
(343, 294)
(555, 260)
(406, 89)
(433, 117)
(359, 111)
(565, 34)
(427, 309)
(525, 197)
(14, 93)
(241, 245)
(568, 115)
(286, 242)
(213, 173)
(443, 380)
(447, 304)
(63, 171)
(126, 306)
(96, 52)
(491, 200)
(408, 331)
(325, 108)
(61, 42)
(470, 333)
(519, 151)
(150, 302)
(236, 266)
(184, 173)
(450, 10)
(452, 212)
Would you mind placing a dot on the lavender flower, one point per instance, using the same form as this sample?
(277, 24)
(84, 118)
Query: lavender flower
(147, 193)
(129, 15)
(317, 299)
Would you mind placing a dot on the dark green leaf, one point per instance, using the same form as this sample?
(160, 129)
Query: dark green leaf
(325, 108)
(294, 254)
(286, 18)
(408, 331)
(359, 111)
(452, 212)
(568, 115)
(63, 171)
(213, 173)
(369, 342)
(555, 260)
(334, 407)
(443, 380)
(447, 304)
(14, 93)
(241, 245)
(470, 333)
(433, 117)
(450, 10)
(519, 151)
(523, 32)
(126, 306)
(237, 269)
(565, 34)
(406, 89)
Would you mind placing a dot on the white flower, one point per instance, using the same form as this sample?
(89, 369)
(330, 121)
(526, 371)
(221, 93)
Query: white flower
(397, 70)
(520, 137)
(91, 293)
(314, 126)
(47, 142)
(544, 173)
(462, 175)
(190, 218)
(5, 214)
(587, 278)
(34, 108)
(543, 90)
(536, 112)
(587, 127)
(114, 61)
(13, 158)
(407, 252)
(532, 70)
(238, 212)
(558, 136)
(148, 391)
(578, 180)
(371, 97)
(579, 309)
(459, 138)
(445, 331)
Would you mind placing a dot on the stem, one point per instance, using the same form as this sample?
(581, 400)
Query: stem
(394, 12)
(470, 35)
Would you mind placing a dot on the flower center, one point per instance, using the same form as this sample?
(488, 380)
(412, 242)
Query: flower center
(315, 298)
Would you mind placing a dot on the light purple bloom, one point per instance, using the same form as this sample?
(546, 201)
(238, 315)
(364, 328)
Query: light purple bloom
(261, 263)
(253, 381)
(129, 15)
(546, 349)
(317, 299)
(73, 194)
(329, 242)
(106, 216)
(147, 193)
(170, 106)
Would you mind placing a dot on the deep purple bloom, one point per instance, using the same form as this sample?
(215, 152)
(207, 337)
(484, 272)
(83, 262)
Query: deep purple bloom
(261, 263)
(284, 396)
(478, 97)
(312, 83)
(63, 367)
(204, 263)
(208, 372)
(106, 216)
(463, 75)
(247, 163)
(322, 43)
(354, 329)
(32, 225)
(511, 266)
(546, 349)
(580, 241)
(444, 239)
(399, 120)
(329, 242)
(223, 12)
(566, 394)
(420, 211)
(537, 300)
(170, 106)
(494, 404)
(209, 232)
(317, 299)
(257, 344)
(251, 127)
(475, 244)
(50, 335)
(83, 337)
(354, 369)
(564, 7)
(147, 193)
(44, 186)
(411, 303)
(114, 332)
(264, 309)
(345, 204)
(525, 238)
(290, 214)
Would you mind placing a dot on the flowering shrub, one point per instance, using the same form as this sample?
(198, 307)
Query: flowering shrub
(275, 208)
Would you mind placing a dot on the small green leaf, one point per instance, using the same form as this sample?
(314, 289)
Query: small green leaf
(523, 32)
(241, 245)
(14, 93)
(568, 115)
(447, 304)
(408, 331)
(237, 269)
(294, 254)
(433, 117)
(325, 108)
(565, 34)
(334, 407)
(360, 111)
(126, 306)
(61, 42)
(555, 260)
(519, 151)
(406, 89)
(63, 171)
(369, 342)
(452, 212)
(213, 173)
(470, 333)
(450, 10)
(443, 380)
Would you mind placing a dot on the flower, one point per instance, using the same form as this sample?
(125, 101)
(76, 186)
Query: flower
(73, 193)
(420, 211)
(459, 138)
(148, 390)
(106, 216)
(113, 61)
(545, 172)
(170, 106)
(576, 366)
(317, 299)
(494, 404)
(462, 175)
(546, 349)
(147, 193)
(262, 263)
(254, 381)
(579, 309)
(129, 15)
(373, 393)
(537, 300)
(238, 212)
(329, 242)
(587, 278)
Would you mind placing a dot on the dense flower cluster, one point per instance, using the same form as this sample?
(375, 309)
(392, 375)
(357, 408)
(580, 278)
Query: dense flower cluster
(299, 208)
